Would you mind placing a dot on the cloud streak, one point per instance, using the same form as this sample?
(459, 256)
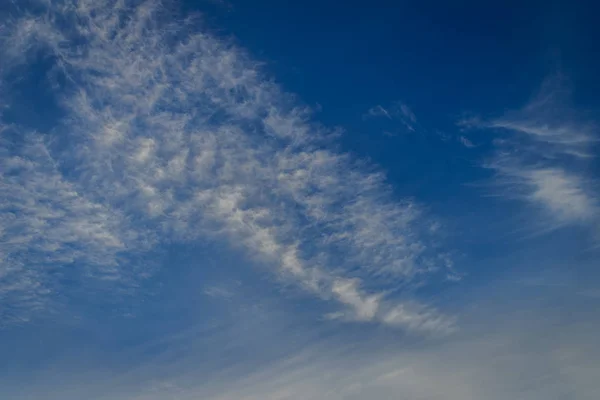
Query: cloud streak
(176, 132)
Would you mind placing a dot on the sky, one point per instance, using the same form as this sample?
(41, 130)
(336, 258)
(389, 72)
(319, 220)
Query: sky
(273, 200)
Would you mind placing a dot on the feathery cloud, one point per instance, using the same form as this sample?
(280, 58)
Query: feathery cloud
(543, 158)
(47, 226)
(176, 132)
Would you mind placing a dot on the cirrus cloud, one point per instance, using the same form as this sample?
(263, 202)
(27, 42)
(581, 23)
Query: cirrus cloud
(174, 135)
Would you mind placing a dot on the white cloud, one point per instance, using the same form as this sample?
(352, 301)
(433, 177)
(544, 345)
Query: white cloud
(45, 223)
(543, 158)
(365, 307)
(564, 197)
(178, 133)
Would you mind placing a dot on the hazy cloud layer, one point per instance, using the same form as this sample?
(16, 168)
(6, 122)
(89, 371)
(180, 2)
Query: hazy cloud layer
(512, 353)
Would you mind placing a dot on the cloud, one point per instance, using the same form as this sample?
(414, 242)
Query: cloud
(543, 156)
(565, 197)
(550, 122)
(396, 111)
(407, 112)
(378, 111)
(466, 142)
(364, 307)
(47, 227)
(176, 132)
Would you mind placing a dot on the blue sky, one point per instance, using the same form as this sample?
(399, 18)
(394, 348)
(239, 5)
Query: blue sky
(262, 200)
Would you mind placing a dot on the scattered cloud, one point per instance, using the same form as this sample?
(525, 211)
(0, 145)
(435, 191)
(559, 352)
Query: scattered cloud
(176, 132)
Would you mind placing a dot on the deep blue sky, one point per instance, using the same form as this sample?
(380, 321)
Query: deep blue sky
(442, 56)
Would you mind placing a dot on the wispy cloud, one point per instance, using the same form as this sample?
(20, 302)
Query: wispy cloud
(407, 112)
(487, 362)
(550, 122)
(564, 196)
(48, 229)
(378, 111)
(466, 142)
(396, 111)
(543, 157)
(176, 132)
(509, 373)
